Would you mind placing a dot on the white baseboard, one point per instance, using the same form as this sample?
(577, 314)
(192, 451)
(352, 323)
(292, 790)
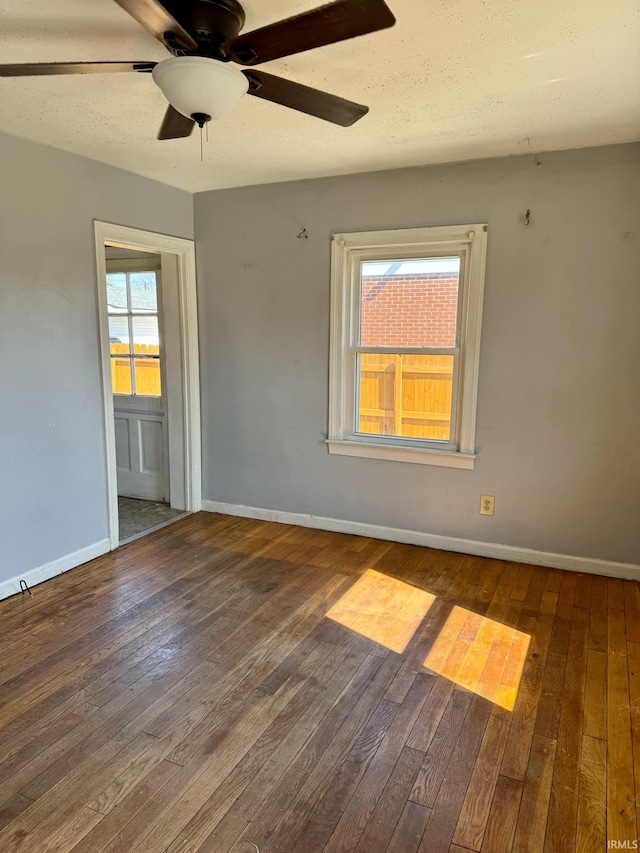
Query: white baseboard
(431, 540)
(55, 567)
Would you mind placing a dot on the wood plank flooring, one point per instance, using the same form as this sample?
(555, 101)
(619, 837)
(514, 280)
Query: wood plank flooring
(187, 693)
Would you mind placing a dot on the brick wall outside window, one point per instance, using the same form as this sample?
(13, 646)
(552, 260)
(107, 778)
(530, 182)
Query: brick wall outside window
(410, 311)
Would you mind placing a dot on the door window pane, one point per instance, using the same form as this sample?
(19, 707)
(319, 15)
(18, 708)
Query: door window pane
(405, 395)
(119, 334)
(148, 377)
(144, 296)
(410, 303)
(117, 292)
(146, 337)
(121, 375)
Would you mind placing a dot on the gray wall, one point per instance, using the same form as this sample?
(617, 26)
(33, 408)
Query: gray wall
(559, 401)
(52, 496)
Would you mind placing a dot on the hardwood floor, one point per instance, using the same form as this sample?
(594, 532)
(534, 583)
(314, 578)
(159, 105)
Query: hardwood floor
(186, 693)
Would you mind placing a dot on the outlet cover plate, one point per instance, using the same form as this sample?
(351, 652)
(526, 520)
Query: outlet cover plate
(487, 504)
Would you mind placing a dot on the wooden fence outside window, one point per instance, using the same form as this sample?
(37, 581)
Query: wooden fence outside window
(406, 395)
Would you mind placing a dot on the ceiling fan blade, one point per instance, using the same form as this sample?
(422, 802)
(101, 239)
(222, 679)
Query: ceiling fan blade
(42, 68)
(304, 98)
(328, 24)
(175, 125)
(160, 23)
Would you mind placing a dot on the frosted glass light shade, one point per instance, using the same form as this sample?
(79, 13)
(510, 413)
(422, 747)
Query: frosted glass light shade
(196, 84)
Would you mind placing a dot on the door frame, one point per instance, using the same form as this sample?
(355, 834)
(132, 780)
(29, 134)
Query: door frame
(184, 250)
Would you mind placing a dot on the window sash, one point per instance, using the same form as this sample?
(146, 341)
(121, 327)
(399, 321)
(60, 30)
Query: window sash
(355, 319)
(356, 285)
(406, 441)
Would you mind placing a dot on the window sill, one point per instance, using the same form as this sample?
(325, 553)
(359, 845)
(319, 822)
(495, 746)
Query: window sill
(421, 456)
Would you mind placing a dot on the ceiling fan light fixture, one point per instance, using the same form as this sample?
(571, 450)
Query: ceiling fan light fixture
(197, 85)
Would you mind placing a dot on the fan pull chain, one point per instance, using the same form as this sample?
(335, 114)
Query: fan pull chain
(201, 119)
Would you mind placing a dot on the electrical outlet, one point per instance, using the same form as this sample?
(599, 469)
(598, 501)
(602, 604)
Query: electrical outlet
(487, 504)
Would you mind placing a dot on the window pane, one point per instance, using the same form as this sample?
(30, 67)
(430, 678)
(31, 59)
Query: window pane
(405, 395)
(119, 334)
(146, 339)
(117, 293)
(148, 377)
(411, 303)
(144, 297)
(121, 375)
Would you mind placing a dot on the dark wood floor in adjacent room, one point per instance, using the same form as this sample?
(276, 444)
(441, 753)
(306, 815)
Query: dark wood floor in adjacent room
(186, 693)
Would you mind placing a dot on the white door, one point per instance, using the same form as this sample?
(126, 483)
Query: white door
(138, 378)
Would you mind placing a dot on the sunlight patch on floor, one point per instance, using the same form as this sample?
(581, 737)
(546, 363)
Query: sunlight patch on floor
(383, 609)
(481, 655)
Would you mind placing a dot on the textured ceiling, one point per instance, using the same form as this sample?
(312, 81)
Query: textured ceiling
(453, 80)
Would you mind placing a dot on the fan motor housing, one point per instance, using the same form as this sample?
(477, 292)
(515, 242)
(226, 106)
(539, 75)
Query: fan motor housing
(211, 23)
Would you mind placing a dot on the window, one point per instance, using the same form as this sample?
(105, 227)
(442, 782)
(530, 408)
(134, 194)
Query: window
(134, 334)
(405, 343)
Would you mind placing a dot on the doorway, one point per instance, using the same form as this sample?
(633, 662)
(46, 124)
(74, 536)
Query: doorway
(138, 383)
(148, 333)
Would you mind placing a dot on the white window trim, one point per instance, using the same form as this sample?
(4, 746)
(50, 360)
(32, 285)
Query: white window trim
(347, 251)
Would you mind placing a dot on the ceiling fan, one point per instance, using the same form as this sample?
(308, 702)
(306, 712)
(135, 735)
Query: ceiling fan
(205, 37)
